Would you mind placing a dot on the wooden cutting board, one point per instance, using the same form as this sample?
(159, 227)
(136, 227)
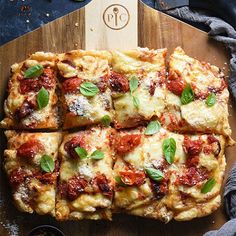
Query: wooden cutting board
(101, 25)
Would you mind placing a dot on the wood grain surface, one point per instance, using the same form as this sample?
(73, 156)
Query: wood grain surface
(155, 30)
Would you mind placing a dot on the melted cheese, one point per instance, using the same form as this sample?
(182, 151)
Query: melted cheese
(87, 110)
(133, 61)
(67, 70)
(149, 106)
(87, 65)
(204, 118)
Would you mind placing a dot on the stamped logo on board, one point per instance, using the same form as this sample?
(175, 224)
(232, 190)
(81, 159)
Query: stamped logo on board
(116, 16)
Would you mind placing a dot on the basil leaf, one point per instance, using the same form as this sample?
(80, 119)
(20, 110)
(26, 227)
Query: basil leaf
(81, 152)
(152, 128)
(97, 155)
(33, 71)
(106, 120)
(169, 148)
(136, 101)
(47, 164)
(154, 174)
(88, 89)
(119, 181)
(42, 98)
(133, 84)
(187, 95)
(211, 100)
(208, 186)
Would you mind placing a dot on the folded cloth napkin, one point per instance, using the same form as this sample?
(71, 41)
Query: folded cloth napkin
(224, 33)
(230, 195)
(229, 228)
(219, 30)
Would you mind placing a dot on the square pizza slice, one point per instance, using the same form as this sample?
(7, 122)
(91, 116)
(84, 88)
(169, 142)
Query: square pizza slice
(167, 175)
(138, 85)
(84, 79)
(197, 96)
(31, 164)
(32, 99)
(86, 185)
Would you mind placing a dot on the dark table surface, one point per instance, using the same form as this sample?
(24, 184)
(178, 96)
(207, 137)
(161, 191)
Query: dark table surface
(18, 17)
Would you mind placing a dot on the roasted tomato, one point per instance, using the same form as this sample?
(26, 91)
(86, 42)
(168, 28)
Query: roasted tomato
(30, 148)
(127, 143)
(71, 85)
(175, 83)
(73, 143)
(152, 87)
(176, 86)
(193, 176)
(27, 107)
(192, 161)
(102, 182)
(103, 83)
(17, 177)
(132, 177)
(46, 80)
(47, 178)
(118, 82)
(73, 187)
(211, 139)
(160, 189)
(29, 85)
(192, 147)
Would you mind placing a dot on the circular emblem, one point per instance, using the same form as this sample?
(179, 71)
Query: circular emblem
(116, 17)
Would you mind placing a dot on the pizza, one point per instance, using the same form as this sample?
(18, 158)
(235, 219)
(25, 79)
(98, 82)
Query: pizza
(86, 183)
(197, 96)
(167, 175)
(142, 134)
(86, 96)
(31, 164)
(138, 86)
(32, 100)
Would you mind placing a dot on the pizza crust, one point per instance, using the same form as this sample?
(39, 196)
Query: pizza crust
(31, 195)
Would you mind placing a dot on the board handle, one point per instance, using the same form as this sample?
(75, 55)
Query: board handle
(111, 24)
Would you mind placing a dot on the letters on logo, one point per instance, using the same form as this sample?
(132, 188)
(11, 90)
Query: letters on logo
(116, 17)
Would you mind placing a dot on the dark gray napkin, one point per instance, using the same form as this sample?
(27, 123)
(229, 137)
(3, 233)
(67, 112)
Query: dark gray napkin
(219, 30)
(230, 195)
(229, 228)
